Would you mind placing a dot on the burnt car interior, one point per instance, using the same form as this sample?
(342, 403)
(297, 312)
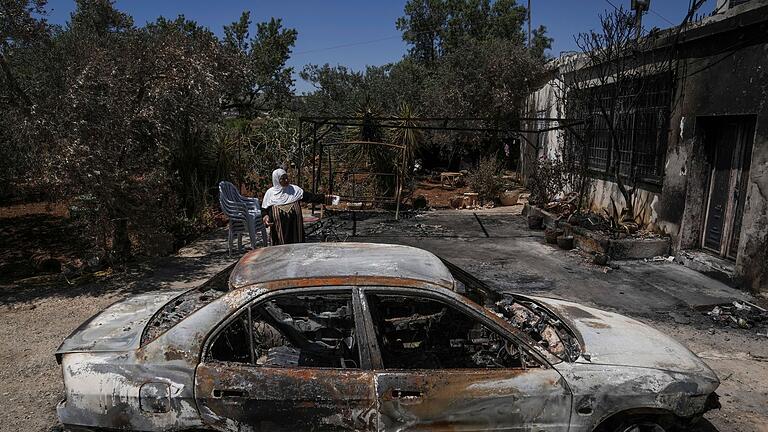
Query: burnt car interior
(422, 333)
(542, 326)
(290, 331)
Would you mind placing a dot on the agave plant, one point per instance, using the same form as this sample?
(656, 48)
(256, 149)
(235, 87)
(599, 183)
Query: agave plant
(407, 135)
(377, 159)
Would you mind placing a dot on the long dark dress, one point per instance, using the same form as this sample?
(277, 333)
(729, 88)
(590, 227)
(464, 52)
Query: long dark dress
(287, 220)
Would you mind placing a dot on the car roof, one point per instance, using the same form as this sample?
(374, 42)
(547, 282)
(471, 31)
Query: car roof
(358, 263)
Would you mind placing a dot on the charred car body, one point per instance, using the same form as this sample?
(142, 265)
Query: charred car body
(371, 337)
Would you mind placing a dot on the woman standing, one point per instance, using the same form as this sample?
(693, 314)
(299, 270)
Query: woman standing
(281, 208)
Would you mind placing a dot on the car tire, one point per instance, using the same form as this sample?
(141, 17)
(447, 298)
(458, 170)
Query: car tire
(645, 423)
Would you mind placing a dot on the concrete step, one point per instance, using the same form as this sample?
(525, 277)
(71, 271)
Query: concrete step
(713, 266)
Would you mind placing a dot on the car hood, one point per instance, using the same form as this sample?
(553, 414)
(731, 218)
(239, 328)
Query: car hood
(612, 339)
(118, 327)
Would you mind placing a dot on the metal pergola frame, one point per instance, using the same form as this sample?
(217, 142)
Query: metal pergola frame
(314, 129)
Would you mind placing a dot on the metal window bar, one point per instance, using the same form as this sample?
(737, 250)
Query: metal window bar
(642, 125)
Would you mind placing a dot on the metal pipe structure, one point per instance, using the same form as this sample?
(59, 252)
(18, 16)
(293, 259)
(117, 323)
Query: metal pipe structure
(335, 123)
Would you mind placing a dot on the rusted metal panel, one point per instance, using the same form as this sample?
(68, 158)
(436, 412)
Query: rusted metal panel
(119, 326)
(270, 398)
(614, 339)
(324, 260)
(501, 399)
(103, 390)
(600, 391)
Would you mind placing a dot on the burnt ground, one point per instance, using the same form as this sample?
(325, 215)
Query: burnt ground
(495, 245)
(30, 232)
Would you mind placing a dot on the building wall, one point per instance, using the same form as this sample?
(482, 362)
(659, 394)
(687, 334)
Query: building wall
(736, 85)
(726, 75)
(542, 103)
(645, 203)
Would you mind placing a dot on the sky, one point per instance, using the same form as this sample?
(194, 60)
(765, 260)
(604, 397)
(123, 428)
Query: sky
(356, 33)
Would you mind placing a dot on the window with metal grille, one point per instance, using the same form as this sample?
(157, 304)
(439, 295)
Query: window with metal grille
(641, 122)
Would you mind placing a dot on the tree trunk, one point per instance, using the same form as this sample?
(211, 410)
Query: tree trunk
(627, 195)
(121, 244)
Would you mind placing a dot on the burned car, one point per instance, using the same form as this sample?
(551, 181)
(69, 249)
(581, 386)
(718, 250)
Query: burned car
(371, 337)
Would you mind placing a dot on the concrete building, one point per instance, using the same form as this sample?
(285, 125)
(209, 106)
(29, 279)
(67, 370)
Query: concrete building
(699, 148)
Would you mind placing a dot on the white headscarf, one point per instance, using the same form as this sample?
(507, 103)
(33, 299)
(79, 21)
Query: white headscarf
(278, 195)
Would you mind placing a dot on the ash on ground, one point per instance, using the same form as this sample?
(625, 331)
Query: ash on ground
(740, 315)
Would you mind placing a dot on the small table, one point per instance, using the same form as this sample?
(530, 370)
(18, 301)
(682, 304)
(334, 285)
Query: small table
(449, 178)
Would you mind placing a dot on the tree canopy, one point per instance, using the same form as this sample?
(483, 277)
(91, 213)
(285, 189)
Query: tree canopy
(467, 58)
(139, 122)
(435, 28)
(126, 118)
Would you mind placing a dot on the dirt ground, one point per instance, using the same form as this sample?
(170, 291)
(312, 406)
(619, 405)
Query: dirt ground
(437, 195)
(35, 320)
(28, 231)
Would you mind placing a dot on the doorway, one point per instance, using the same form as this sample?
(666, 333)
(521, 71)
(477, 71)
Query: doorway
(728, 146)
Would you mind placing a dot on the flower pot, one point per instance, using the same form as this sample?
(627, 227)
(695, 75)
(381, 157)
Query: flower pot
(551, 235)
(470, 199)
(535, 221)
(509, 198)
(600, 259)
(565, 242)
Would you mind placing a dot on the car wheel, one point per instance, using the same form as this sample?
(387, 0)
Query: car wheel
(646, 426)
(642, 424)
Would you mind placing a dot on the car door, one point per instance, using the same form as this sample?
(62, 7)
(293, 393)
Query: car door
(441, 365)
(289, 362)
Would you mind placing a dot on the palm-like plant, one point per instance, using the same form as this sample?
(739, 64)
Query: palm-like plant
(407, 135)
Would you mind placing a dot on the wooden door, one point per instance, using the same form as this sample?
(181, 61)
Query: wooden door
(729, 144)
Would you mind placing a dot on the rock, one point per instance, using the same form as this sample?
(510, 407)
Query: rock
(565, 242)
(93, 263)
(46, 264)
(551, 235)
(509, 198)
(420, 202)
(600, 259)
(535, 221)
(679, 318)
(743, 323)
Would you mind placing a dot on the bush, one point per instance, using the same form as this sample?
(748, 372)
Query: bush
(486, 179)
(546, 181)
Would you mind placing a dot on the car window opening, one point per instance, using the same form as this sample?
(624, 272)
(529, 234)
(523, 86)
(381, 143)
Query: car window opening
(420, 333)
(549, 332)
(291, 331)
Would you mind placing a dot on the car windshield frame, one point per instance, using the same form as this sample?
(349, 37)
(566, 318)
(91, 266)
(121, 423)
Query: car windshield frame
(185, 304)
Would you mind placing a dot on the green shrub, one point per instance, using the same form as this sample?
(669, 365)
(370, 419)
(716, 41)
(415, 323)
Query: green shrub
(546, 181)
(486, 179)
